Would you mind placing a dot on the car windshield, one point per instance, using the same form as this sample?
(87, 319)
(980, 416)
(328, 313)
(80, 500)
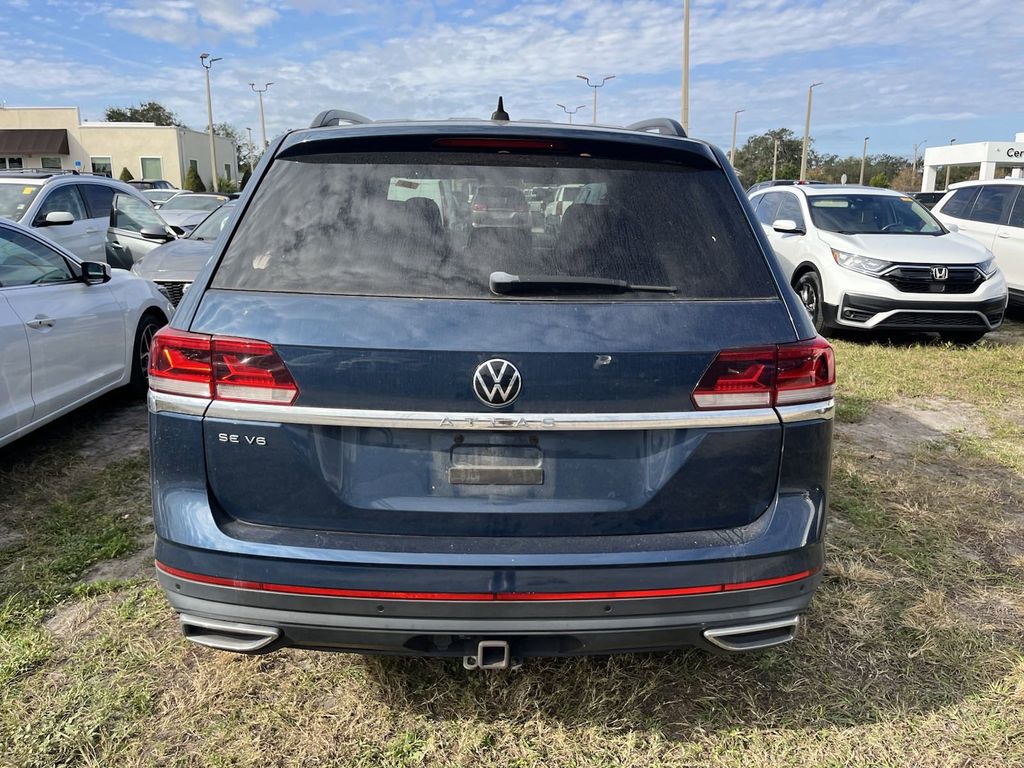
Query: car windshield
(160, 195)
(15, 199)
(869, 214)
(366, 225)
(193, 203)
(211, 226)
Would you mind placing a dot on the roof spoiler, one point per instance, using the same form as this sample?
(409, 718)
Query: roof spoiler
(338, 117)
(663, 125)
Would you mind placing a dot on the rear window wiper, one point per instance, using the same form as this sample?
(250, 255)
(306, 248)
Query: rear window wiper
(502, 283)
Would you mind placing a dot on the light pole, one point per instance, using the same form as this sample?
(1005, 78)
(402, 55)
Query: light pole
(947, 166)
(207, 62)
(595, 87)
(252, 150)
(807, 131)
(732, 152)
(569, 112)
(263, 126)
(913, 167)
(863, 159)
(686, 65)
(775, 160)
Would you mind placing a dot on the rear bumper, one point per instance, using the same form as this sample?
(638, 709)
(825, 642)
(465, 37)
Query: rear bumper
(454, 628)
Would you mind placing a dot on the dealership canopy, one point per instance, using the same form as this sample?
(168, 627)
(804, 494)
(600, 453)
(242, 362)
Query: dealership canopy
(34, 141)
(995, 159)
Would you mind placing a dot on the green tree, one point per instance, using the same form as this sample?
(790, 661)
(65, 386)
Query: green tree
(193, 181)
(754, 158)
(146, 112)
(879, 180)
(126, 175)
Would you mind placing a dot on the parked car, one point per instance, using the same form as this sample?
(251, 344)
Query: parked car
(70, 209)
(564, 196)
(69, 330)
(158, 197)
(174, 266)
(992, 213)
(133, 230)
(865, 258)
(144, 184)
(778, 183)
(186, 211)
(367, 439)
(928, 199)
(499, 207)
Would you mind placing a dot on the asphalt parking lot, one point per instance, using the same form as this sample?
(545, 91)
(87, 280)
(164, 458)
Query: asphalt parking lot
(913, 652)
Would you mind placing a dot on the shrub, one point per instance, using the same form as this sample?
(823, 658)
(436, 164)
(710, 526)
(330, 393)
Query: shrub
(193, 181)
(126, 175)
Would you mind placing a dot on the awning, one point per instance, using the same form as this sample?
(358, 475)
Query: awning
(34, 141)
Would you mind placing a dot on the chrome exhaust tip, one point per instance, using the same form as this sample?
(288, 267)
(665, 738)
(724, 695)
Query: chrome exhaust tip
(227, 635)
(753, 637)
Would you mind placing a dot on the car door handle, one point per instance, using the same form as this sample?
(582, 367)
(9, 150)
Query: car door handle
(1004, 235)
(40, 321)
(91, 230)
(115, 244)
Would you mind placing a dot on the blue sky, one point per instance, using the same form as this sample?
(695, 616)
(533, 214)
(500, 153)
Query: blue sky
(901, 71)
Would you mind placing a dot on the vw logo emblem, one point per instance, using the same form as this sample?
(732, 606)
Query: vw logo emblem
(940, 273)
(497, 383)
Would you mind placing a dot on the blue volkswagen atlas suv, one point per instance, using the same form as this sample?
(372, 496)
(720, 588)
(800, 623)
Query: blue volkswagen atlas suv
(380, 425)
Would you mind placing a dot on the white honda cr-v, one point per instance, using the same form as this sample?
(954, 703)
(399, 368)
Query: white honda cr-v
(868, 258)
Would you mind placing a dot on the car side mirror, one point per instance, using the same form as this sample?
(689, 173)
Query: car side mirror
(953, 227)
(95, 272)
(177, 230)
(57, 219)
(787, 227)
(156, 233)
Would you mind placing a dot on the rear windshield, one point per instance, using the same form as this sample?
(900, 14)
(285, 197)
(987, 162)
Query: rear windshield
(404, 224)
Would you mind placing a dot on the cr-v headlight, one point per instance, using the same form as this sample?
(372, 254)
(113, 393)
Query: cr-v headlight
(863, 264)
(988, 266)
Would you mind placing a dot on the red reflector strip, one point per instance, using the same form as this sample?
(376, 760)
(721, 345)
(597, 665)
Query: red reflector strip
(373, 594)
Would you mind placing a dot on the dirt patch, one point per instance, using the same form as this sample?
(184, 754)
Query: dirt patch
(9, 537)
(74, 619)
(130, 567)
(992, 609)
(901, 428)
(123, 433)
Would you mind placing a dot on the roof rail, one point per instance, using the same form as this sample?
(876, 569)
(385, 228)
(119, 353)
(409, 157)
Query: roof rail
(663, 125)
(337, 117)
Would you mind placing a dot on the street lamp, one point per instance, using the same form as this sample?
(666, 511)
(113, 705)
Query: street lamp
(863, 160)
(732, 152)
(569, 112)
(595, 86)
(775, 160)
(263, 126)
(252, 151)
(686, 65)
(207, 62)
(947, 166)
(807, 131)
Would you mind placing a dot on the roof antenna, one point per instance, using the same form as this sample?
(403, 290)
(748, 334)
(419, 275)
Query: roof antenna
(500, 113)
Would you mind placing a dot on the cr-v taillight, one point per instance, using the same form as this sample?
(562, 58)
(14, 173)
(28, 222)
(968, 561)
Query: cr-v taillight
(761, 377)
(221, 367)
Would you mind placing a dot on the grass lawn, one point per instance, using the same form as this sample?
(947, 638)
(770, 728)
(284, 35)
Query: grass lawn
(913, 652)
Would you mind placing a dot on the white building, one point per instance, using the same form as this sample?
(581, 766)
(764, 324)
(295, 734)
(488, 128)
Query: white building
(56, 137)
(995, 159)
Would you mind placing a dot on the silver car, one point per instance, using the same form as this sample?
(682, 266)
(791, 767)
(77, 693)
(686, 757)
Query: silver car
(70, 330)
(175, 265)
(184, 212)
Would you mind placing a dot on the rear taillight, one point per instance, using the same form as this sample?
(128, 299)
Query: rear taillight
(223, 368)
(786, 374)
(479, 207)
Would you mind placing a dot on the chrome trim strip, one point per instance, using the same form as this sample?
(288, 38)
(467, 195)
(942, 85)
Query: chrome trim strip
(164, 402)
(721, 636)
(807, 411)
(355, 417)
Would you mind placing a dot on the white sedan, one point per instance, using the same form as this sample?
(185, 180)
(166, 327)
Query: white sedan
(69, 330)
